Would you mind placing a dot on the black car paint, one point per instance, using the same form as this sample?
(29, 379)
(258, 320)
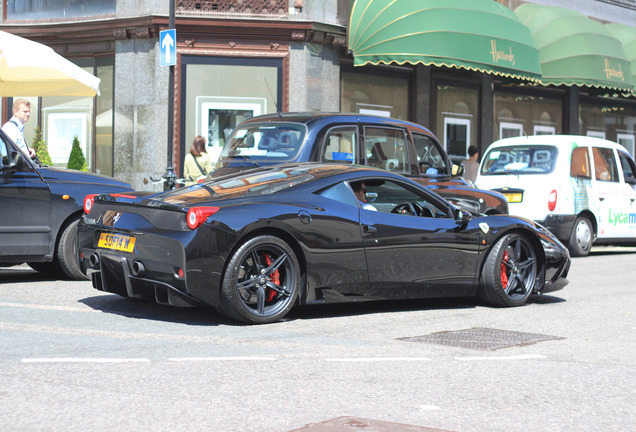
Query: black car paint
(332, 245)
(38, 202)
(452, 187)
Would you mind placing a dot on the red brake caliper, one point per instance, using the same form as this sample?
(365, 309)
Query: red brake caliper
(275, 277)
(504, 275)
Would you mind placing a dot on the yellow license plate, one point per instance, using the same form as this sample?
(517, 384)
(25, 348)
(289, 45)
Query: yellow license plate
(514, 197)
(118, 242)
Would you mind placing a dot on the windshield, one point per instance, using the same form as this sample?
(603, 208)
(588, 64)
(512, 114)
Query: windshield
(519, 159)
(265, 142)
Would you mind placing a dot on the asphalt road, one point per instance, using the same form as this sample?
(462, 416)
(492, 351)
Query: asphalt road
(76, 359)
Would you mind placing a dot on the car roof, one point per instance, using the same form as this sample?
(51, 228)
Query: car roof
(556, 140)
(336, 117)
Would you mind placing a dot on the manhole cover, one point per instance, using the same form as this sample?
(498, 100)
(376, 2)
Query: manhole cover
(479, 338)
(354, 424)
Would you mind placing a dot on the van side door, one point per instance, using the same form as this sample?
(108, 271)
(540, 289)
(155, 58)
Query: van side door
(608, 197)
(628, 178)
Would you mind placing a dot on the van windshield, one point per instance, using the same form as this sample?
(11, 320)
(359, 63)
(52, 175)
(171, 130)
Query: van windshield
(519, 159)
(267, 142)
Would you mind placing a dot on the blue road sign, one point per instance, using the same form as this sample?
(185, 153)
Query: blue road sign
(168, 47)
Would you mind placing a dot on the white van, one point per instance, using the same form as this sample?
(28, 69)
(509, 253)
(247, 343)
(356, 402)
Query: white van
(580, 188)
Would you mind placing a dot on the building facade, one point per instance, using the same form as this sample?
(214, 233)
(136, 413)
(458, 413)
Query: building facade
(240, 59)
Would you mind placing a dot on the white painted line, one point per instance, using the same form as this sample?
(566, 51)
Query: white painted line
(48, 307)
(84, 360)
(377, 359)
(429, 407)
(212, 359)
(511, 357)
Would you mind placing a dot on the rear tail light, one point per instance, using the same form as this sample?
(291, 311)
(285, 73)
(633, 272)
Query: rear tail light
(88, 203)
(198, 215)
(552, 200)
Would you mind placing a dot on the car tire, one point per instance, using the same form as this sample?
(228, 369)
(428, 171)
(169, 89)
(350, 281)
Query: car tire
(261, 281)
(510, 271)
(581, 237)
(67, 254)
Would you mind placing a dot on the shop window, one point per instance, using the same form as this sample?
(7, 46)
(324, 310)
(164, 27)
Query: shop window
(508, 130)
(220, 92)
(457, 137)
(544, 130)
(610, 119)
(596, 134)
(519, 113)
(375, 94)
(457, 106)
(627, 141)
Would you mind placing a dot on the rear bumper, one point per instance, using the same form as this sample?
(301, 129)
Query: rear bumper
(118, 275)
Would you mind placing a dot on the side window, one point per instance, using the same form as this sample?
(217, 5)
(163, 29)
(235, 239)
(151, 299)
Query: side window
(391, 197)
(342, 193)
(580, 163)
(339, 145)
(386, 148)
(629, 169)
(429, 157)
(605, 166)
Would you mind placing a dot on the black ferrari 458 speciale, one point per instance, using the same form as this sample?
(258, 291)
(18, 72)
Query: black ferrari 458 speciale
(254, 244)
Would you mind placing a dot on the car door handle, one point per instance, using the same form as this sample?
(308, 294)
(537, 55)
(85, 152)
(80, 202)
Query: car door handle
(370, 229)
(601, 198)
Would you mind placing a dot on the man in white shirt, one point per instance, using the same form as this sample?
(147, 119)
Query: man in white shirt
(14, 128)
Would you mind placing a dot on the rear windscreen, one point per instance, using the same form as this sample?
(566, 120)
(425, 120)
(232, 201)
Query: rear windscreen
(272, 142)
(519, 159)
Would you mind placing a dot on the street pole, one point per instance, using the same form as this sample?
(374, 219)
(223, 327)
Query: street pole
(170, 177)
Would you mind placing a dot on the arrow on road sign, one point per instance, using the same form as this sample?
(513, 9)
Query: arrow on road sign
(168, 42)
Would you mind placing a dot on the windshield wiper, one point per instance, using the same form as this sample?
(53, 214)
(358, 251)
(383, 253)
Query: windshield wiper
(245, 159)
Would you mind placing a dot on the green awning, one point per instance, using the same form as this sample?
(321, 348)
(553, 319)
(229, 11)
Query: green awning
(627, 36)
(480, 35)
(574, 49)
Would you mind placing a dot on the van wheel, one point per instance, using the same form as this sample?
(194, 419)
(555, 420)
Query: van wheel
(581, 237)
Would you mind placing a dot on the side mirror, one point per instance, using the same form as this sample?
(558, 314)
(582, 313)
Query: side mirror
(463, 218)
(630, 180)
(457, 170)
(11, 161)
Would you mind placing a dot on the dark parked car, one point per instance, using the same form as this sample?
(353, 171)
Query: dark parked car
(256, 243)
(395, 145)
(39, 211)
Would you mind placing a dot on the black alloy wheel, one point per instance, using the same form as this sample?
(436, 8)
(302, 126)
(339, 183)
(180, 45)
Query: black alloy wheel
(509, 274)
(261, 282)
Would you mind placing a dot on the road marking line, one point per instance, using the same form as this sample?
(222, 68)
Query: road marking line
(203, 359)
(84, 360)
(48, 307)
(511, 357)
(376, 359)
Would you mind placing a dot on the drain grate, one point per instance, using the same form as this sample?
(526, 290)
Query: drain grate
(480, 338)
(354, 424)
